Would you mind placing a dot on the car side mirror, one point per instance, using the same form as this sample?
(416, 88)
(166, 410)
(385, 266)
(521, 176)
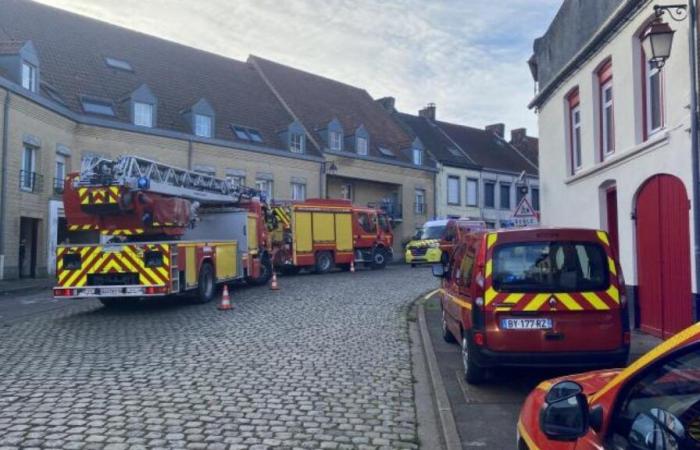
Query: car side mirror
(657, 429)
(565, 416)
(439, 271)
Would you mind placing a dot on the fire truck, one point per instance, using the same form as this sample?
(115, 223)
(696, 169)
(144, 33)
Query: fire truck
(319, 234)
(164, 230)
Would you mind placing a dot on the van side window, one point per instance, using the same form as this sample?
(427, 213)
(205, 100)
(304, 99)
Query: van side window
(466, 266)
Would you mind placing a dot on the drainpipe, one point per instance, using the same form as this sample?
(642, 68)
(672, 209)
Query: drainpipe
(3, 182)
(692, 17)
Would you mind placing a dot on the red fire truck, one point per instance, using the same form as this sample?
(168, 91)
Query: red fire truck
(165, 230)
(322, 233)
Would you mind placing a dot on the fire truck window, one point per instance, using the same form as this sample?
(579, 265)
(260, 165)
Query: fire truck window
(367, 222)
(384, 222)
(662, 408)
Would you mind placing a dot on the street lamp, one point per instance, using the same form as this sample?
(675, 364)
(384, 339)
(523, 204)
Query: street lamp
(657, 39)
(329, 167)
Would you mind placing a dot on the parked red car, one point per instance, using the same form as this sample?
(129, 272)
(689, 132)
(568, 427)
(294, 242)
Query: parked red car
(654, 404)
(534, 297)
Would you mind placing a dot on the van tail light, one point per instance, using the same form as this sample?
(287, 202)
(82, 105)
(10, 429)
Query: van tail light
(479, 339)
(63, 292)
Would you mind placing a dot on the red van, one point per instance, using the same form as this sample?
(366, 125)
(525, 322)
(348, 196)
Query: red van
(534, 297)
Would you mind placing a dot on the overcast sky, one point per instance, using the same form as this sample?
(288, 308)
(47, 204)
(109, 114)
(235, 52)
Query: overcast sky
(467, 56)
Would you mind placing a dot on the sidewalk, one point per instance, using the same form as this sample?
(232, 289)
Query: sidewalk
(25, 285)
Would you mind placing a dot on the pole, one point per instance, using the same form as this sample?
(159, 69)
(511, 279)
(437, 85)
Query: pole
(692, 41)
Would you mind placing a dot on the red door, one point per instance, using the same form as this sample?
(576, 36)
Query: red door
(663, 256)
(611, 202)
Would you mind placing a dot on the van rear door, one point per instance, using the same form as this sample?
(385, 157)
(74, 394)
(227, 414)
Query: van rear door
(552, 291)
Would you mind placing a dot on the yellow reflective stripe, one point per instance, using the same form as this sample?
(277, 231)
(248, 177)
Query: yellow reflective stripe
(526, 437)
(490, 295)
(614, 293)
(595, 301)
(647, 358)
(514, 298)
(569, 302)
(611, 266)
(603, 236)
(488, 268)
(536, 302)
(491, 239)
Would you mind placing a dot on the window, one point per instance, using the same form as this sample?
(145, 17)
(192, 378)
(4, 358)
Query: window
(367, 222)
(454, 151)
(97, 107)
(335, 141)
(29, 76)
(296, 142)
(255, 135)
(118, 64)
(298, 191)
(535, 194)
(607, 119)
(202, 125)
(361, 145)
(143, 114)
(346, 191)
(236, 180)
(574, 131)
(558, 266)
(386, 152)
(420, 206)
(472, 192)
(505, 195)
(489, 194)
(27, 176)
(264, 186)
(491, 225)
(453, 190)
(59, 174)
(417, 157)
(653, 93)
(241, 133)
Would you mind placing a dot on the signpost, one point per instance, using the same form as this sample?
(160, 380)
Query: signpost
(524, 215)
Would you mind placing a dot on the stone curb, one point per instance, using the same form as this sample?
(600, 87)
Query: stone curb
(446, 418)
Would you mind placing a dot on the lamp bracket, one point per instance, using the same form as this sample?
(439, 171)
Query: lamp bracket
(677, 12)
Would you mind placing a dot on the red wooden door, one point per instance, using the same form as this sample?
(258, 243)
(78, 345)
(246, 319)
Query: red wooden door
(611, 202)
(663, 256)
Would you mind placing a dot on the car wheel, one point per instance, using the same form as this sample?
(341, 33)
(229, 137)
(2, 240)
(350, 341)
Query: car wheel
(265, 272)
(473, 374)
(446, 333)
(378, 259)
(324, 262)
(206, 287)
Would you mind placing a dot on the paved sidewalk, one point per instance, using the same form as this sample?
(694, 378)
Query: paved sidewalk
(25, 285)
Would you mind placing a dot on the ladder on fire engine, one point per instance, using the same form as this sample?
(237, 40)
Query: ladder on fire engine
(144, 174)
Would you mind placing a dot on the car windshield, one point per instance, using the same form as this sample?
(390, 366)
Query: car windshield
(432, 232)
(550, 267)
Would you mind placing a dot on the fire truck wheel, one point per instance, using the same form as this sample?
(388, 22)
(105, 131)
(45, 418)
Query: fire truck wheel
(446, 333)
(378, 258)
(473, 374)
(265, 273)
(324, 262)
(206, 288)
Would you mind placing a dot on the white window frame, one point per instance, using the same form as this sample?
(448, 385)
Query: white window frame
(29, 167)
(236, 180)
(650, 72)
(298, 191)
(607, 108)
(203, 125)
(457, 190)
(29, 76)
(59, 170)
(576, 151)
(362, 145)
(264, 185)
(143, 114)
(417, 157)
(335, 141)
(346, 191)
(296, 143)
(473, 191)
(420, 205)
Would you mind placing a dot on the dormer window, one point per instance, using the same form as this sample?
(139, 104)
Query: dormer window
(97, 107)
(296, 142)
(143, 114)
(335, 141)
(118, 64)
(361, 145)
(418, 156)
(202, 125)
(29, 76)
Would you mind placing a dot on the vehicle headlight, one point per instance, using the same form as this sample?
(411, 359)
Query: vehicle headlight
(434, 245)
(72, 261)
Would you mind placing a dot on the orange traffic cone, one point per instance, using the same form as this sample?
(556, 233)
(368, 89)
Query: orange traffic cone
(225, 304)
(273, 283)
(352, 265)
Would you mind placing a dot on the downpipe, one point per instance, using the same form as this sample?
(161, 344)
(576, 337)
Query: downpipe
(3, 182)
(694, 148)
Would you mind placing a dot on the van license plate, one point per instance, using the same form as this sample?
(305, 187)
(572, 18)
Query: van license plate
(526, 323)
(110, 291)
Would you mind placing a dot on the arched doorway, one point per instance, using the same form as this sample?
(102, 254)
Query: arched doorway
(663, 256)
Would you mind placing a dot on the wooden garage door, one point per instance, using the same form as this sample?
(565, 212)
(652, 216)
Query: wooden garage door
(663, 256)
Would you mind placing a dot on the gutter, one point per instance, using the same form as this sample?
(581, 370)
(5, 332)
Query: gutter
(3, 182)
(692, 34)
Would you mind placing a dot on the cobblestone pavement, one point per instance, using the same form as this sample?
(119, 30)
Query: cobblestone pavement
(324, 363)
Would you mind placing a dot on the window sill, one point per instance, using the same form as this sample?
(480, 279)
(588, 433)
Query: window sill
(617, 158)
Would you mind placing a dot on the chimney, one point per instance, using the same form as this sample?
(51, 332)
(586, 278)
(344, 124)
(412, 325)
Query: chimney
(428, 112)
(518, 135)
(388, 103)
(499, 129)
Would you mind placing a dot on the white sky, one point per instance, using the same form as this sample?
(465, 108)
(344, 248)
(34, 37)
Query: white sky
(467, 56)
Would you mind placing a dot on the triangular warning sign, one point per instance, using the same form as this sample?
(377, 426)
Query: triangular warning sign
(524, 209)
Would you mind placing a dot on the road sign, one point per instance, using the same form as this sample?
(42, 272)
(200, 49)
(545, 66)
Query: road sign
(524, 215)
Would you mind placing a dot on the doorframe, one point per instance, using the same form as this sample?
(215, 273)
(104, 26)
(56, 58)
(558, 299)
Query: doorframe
(55, 212)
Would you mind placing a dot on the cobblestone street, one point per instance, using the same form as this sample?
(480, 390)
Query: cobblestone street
(324, 363)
